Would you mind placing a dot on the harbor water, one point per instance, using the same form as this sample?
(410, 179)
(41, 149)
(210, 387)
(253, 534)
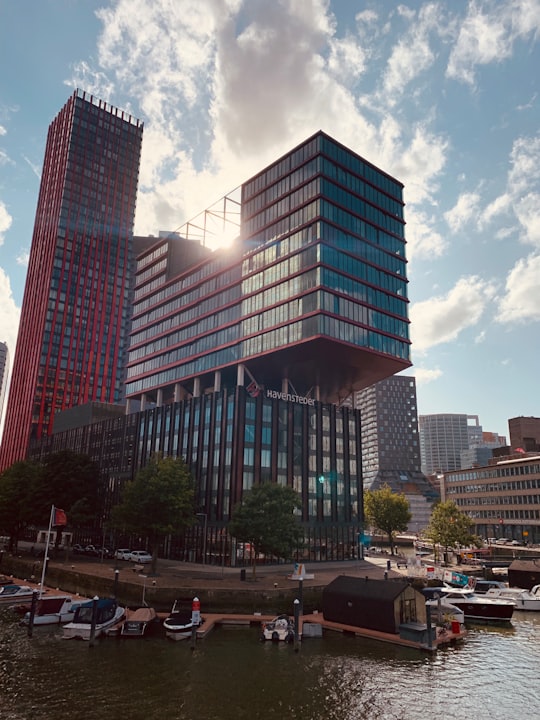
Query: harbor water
(494, 674)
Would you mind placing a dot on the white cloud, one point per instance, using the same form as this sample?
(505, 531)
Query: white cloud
(412, 55)
(441, 319)
(426, 375)
(488, 33)
(23, 257)
(463, 211)
(5, 221)
(423, 241)
(225, 91)
(521, 301)
(9, 313)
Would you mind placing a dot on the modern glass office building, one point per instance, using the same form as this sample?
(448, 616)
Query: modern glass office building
(72, 341)
(239, 361)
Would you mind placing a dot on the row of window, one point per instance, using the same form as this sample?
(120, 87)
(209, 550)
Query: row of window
(495, 471)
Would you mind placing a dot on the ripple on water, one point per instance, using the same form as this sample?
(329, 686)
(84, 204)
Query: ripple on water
(231, 675)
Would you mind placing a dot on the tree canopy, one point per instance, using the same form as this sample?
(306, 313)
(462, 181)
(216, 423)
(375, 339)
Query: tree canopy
(157, 503)
(448, 526)
(72, 481)
(387, 512)
(19, 506)
(267, 521)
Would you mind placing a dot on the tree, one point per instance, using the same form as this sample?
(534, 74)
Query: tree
(387, 512)
(72, 481)
(266, 520)
(157, 503)
(19, 484)
(449, 526)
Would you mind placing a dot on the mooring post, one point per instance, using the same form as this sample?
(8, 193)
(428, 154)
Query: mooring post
(296, 624)
(32, 613)
(95, 601)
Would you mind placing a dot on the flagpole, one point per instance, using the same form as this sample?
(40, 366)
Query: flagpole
(46, 556)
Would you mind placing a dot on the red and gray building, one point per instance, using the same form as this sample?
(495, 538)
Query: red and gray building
(74, 325)
(239, 360)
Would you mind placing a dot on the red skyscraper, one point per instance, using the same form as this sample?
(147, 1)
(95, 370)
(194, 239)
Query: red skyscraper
(75, 312)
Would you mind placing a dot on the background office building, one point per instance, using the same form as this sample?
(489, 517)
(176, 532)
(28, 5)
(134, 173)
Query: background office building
(4, 373)
(502, 498)
(524, 434)
(73, 333)
(240, 362)
(391, 445)
(443, 437)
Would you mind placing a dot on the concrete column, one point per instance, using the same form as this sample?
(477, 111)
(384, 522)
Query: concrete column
(217, 381)
(143, 402)
(159, 401)
(197, 387)
(177, 392)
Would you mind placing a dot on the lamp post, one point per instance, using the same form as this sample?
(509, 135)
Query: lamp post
(205, 516)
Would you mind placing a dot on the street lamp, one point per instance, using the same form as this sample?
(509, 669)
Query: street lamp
(205, 516)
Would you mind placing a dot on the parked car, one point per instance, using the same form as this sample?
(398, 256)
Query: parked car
(78, 549)
(97, 551)
(140, 556)
(514, 542)
(123, 554)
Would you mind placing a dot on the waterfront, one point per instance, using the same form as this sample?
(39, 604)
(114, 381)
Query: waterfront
(231, 675)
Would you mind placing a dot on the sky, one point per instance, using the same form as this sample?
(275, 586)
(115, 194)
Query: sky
(442, 95)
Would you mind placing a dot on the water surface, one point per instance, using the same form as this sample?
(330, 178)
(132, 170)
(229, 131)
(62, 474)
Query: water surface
(493, 675)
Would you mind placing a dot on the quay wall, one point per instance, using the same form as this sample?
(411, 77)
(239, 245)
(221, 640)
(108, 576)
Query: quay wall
(245, 599)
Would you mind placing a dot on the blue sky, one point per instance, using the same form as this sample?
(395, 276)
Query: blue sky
(442, 95)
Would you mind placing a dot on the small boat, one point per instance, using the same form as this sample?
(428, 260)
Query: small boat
(12, 595)
(52, 610)
(442, 610)
(134, 623)
(179, 624)
(108, 613)
(480, 608)
(528, 600)
(137, 621)
(279, 629)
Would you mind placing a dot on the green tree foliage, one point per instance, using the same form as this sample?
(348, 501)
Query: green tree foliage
(72, 481)
(159, 502)
(19, 500)
(267, 521)
(448, 526)
(387, 511)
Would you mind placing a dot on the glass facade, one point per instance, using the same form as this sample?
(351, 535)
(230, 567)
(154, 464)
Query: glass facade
(232, 441)
(72, 341)
(322, 234)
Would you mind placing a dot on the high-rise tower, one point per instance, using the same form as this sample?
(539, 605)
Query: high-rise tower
(74, 319)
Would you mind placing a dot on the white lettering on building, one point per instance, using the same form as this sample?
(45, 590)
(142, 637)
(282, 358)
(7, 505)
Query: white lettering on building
(276, 395)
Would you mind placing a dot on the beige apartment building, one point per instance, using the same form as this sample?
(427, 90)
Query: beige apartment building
(502, 498)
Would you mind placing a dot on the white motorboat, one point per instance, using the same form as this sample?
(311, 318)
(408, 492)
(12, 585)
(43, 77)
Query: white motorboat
(280, 628)
(179, 624)
(53, 610)
(108, 613)
(12, 595)
(480, 608)
(528, 600)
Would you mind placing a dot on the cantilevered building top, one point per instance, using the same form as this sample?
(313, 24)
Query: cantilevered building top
(311, 302)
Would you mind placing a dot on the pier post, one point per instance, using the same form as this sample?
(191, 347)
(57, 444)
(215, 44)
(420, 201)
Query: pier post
(95, 601)
(32, 613)
(296, 624)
